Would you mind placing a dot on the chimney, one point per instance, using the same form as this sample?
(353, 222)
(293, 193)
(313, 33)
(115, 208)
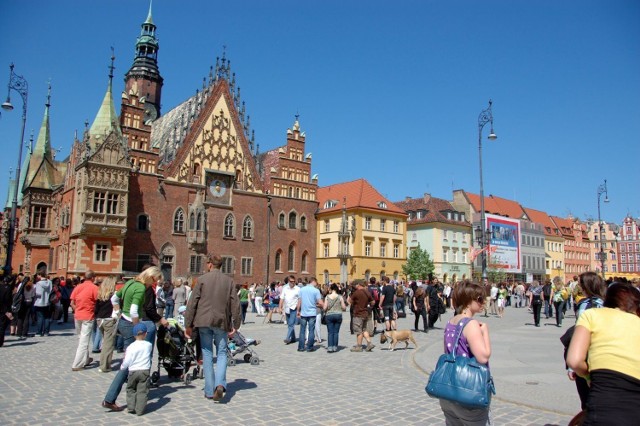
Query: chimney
(407, 198)
(427, 197)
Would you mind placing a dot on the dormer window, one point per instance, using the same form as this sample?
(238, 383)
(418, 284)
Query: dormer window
(329, 204)
(382, 204)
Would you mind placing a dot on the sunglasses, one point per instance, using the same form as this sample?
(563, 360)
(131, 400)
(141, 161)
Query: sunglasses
(480, 300)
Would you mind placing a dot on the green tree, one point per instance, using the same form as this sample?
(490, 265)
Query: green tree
(419, 264)
(495, 275)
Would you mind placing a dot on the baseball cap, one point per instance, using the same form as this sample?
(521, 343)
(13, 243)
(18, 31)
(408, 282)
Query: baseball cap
(139, 328)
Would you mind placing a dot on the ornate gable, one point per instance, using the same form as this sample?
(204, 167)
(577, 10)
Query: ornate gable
(216, 143)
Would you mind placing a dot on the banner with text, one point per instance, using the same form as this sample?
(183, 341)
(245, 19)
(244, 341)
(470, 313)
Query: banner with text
(504, 243)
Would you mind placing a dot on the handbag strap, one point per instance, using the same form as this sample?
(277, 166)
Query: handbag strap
(333, 304)
(464, 321)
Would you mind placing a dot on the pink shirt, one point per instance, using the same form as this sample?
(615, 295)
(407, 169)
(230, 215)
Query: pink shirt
(84, 296)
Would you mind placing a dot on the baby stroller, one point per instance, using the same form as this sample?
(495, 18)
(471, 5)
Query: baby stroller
(239, 344)
(176, 354)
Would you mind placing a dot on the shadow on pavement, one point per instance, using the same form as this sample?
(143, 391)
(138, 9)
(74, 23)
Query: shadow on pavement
(161, 394)
(238, 385)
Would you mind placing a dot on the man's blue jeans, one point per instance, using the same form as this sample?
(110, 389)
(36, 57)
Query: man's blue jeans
(334, 321)
(303, 330)
(43, 315)
(291, 324)
(210, 336)
(126, 331)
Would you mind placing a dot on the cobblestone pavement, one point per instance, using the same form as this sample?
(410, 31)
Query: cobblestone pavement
(37, 385)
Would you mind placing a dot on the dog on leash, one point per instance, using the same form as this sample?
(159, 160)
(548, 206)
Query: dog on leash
(395, 336)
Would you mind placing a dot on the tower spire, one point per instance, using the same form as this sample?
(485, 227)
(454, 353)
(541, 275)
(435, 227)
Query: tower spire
(106, 120)
(149, 17)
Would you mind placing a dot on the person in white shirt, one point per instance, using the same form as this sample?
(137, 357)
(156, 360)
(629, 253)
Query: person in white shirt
(289, 300)
(137, 359)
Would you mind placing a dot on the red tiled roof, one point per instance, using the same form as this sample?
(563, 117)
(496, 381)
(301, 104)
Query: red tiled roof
(564, 223)
(497, 205)
(543, 219)
(359, 194)
(433, 207)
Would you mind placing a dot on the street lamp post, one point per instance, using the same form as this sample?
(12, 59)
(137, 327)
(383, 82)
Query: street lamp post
(485, 117)
(602, 189)
(19, 84)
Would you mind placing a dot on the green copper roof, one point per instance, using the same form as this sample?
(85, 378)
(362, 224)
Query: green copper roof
(106, 120)
(149, 18)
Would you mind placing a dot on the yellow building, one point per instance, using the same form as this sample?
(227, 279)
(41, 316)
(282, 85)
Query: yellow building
(360, 234)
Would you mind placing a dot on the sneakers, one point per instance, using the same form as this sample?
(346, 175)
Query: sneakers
(218, 393)
(356, 349)
(369, 347)
(111, 406)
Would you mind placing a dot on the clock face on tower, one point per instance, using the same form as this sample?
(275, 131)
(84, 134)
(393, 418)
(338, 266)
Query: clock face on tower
(217, 188)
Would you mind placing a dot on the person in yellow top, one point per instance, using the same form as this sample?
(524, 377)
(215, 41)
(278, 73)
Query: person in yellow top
(610, 337)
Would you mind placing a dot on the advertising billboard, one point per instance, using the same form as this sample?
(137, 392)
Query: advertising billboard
(504, 243)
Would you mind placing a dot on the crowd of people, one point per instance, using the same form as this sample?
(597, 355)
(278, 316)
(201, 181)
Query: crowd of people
(112, 314)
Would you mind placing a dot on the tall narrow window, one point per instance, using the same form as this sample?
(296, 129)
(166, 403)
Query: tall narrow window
(325, 250)
(367, 248)
(98, 202)
(247, 228)
(112, 203)
(281, 220)
(278, 261)
(292, 257)
(247, 266)
(383, 224)
(292, 220)
(199, 222)
(178, 222)
(383, 249)
(143, 222)
(192, 221)
(228, 226)
(303, 264)
(39, 217)
(227, 265)
(303, 223)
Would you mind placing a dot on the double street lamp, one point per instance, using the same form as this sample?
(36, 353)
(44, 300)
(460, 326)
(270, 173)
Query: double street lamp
(602, 189)
(485, 117)
(19, 84)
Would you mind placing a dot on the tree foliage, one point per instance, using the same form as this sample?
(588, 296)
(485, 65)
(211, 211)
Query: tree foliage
(419, 265)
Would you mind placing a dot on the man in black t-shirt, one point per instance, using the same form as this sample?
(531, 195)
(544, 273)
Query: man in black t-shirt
(387, 303)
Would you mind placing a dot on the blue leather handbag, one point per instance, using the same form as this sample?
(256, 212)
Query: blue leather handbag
(461, 380)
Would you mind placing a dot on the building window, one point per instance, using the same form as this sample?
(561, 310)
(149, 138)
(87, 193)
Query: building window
(192, 221)
(247, 266)
(98, 202)
(142, 260)
(383, 224)
(383, 249)
(367, 248)
(278, 261)
(464, 256)
(327, 227)
(455, 256)
(293, 218)
(112, 203)
(623, 257)
(195, 264)
(281, 221)
(39, 217)
(445, 235)
(247, 228)
(200, 221)
(396, 226)
(101, 252)
(178, 222)
(396, 250)
(445, 255)
(143, 222)
(303, 223)
(325, 250)
(367, 223)
(229, 226)
(292, 257)
(227, 265)
(303, 265)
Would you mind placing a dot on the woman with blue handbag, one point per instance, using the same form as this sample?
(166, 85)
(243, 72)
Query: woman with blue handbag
(467, 338)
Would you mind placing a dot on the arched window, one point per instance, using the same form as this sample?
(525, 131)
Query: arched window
(303, 264)
(278, 261)
(281, 220)
(247, 228)
(178, 221)
(303, 223)
(229, 224)
(292, 220)
(199, 221)
(292, 256)
(192, 221)
(143, 222)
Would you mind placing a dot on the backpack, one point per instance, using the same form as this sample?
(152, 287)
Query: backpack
(374, 293)
(18, 299)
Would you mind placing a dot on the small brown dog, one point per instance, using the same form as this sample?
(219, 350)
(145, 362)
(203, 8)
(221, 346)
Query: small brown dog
(395, 336)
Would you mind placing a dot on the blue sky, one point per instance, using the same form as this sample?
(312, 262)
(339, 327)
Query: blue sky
(388, 91)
